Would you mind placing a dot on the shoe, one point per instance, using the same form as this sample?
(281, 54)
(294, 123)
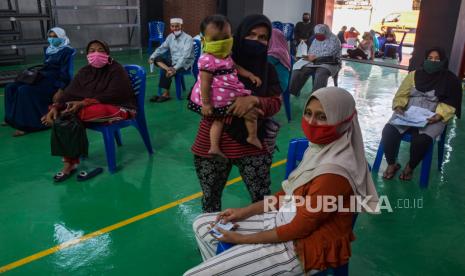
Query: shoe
(60, 176)
(83, 175)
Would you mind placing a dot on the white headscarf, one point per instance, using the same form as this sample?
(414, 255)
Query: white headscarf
(51, 49)
(331, 46)
(344, 157)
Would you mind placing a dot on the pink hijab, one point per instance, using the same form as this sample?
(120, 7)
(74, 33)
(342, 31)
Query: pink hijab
(278, 48)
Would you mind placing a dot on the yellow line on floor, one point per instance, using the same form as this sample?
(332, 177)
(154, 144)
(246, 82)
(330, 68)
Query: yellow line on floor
(115, 226)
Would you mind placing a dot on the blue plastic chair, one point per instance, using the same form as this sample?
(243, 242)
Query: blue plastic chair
(278, 25)
(71, 64)
(179, 77)
(156, 31)
(425, 163)
(396, 47)
(288, 30)
(111, 132)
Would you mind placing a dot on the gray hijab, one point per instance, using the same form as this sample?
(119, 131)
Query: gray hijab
(331, 46)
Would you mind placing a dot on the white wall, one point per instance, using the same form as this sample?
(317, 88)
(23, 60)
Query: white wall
(286, 11)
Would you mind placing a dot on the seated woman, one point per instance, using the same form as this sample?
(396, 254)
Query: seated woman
(364, 50)
(279, 56)
(390, 38)
(432, 87)
(297, 239)
(100, 92)
(323, 57)
(25, 104)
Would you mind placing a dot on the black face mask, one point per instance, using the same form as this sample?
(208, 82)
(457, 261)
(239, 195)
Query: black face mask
(253, 48)
(306, 20)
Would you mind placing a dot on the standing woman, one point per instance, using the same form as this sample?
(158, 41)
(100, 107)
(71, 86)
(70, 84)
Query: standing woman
(279, 56)
(25, 104)
(433, 87)
(250, 52)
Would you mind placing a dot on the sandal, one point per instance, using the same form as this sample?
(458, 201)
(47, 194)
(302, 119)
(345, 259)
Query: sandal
(390, 175)
(154, 99)
(406, 176)
(163, 99)
(19, 133)
(83, 175)
(61, 176)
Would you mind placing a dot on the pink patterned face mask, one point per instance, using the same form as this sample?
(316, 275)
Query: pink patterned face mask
(97, 59)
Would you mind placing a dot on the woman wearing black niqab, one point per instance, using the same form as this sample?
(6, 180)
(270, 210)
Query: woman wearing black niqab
(250, 52)
(432, 87)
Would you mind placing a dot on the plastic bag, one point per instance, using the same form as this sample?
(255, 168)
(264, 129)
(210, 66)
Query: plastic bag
(302, 49)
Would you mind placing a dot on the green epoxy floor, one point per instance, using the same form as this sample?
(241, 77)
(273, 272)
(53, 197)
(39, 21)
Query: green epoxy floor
(36, 214)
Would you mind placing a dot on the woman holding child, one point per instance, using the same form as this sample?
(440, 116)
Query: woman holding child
(249, 52)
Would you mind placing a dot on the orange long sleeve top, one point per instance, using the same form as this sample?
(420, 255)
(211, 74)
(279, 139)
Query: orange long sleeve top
(321, 239)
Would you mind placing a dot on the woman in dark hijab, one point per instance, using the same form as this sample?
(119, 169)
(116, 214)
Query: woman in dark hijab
(100, 92)
(250, 52)
(432, 87)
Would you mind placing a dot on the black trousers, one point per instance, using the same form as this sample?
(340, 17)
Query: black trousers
(418, 146)
(165, 82)
(213, 174)
(355, 53)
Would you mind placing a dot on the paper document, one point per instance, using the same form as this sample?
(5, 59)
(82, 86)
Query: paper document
(228, 226)
(415, 116)
(300, 63)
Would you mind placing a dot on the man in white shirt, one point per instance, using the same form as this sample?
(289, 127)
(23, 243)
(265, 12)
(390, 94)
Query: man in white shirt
(175, 54)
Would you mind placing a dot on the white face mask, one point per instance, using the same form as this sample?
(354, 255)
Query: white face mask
(176, 33)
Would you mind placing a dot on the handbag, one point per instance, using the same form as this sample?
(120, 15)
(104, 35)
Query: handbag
(69, 137)
(302, 49)
(31, 75)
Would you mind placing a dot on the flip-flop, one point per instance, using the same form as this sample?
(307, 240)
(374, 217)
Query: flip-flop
(60, 176)
(163, 99)
(154, 99)
(393, 173)
(83, 175)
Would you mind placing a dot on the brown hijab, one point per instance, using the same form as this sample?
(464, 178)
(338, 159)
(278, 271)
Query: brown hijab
(109, 84)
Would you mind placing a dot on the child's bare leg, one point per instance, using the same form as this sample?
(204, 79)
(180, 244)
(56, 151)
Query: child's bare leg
(215, 137)
(252, 138)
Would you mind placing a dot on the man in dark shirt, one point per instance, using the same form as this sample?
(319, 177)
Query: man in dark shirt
(303, 30)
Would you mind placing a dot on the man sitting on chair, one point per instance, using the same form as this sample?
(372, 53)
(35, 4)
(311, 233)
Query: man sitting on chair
(174, 55)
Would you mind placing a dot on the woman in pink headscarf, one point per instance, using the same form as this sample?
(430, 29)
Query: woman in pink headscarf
(279, 56)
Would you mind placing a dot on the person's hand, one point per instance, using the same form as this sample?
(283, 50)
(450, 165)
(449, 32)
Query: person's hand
(230, 236)
(170, 72)
(242, 105)
(434, 119)
(254, 114)
(73, 106)
(50, 117)
(151, 61)
(255, 80)
(231, 215)
(207, 110)
(399, 110)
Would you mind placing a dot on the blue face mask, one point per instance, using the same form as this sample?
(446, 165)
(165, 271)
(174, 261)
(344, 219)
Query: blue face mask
(55, 41)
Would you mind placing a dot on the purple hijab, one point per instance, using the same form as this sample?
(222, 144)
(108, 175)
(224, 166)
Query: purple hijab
(278, 48)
